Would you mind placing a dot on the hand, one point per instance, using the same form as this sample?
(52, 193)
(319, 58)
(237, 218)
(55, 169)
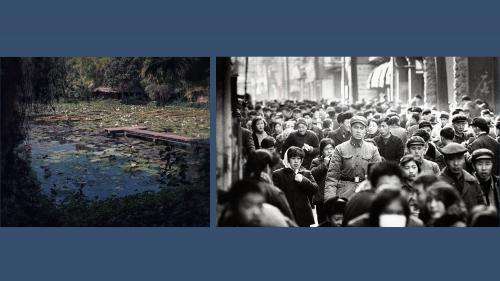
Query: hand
(327, 160)
(299, 177)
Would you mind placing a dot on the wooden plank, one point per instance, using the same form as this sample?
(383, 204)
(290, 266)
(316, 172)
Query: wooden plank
(156, 135)
(122, 129)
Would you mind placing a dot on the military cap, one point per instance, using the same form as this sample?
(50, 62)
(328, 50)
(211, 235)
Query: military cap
(482, 153)
(444, 115)
(453, 148)
(301, 121)
(459, 118)
(415, 140)
(423, 124)
(358, 119)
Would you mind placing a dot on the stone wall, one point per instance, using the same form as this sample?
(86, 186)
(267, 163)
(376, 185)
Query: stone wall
(461, 78)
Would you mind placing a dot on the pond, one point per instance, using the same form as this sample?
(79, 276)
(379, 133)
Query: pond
(66, 160)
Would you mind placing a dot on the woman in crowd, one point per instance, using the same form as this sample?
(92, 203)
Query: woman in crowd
(445, 206)
(258, 131)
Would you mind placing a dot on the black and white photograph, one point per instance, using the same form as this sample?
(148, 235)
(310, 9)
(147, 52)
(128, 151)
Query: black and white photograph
(357, 141)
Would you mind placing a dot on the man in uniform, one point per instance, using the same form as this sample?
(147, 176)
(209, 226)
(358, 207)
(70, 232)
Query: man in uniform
(349, 162)
(418, 147)
(459, 122)
(454, 174)
(483, 161)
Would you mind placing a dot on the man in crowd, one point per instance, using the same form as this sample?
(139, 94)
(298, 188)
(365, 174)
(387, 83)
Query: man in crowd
(390, 147)
(418, 147)
(305, 139)
(483, 160)
(459, 123)
(454, 174)
(343, 133)
(349, 162)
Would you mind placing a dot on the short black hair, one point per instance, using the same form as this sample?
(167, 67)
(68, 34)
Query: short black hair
(426, 179)
(385, 168)
(344, 116)
(294, 151)
(268, 142)
(447, 133)
(423, 134)
(334, 205)
(394, 120)
(324, 142)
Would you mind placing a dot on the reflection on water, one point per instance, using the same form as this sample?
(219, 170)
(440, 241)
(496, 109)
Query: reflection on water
(100, 172)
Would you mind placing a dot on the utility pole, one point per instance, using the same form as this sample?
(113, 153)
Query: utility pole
(246, 74)
(354, 79)
(287, 77)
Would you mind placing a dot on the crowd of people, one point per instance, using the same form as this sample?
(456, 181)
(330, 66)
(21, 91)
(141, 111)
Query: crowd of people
(376, 163)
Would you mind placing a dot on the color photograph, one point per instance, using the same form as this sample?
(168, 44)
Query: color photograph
(105, 141)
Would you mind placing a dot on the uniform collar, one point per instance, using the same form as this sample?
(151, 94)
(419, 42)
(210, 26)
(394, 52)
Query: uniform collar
(356, 143)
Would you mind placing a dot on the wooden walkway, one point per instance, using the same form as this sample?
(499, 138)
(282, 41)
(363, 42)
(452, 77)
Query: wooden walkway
(143, 133)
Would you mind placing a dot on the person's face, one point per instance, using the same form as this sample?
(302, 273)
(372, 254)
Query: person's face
(297, 115)
(428, 129)
(456, 164)
(426, 117)
(421, 196)
(436, 208)
(388, 182)
(358, 131)
(373, 127)
(250, 208)
(410, 169)
(384, 129)
(347, 124)
(287, 113)
(308, 119)
(259, 126)
(444, 121)
(483, 168)
(267, 113)
(249, 124)
(289, 125)
(295, 162)
(417, 150)
(328, 150)
(459, 126)
(278, 128)
(476, 130)
(302, 128)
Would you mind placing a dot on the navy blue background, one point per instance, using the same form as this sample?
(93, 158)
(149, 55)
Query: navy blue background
(228, 28)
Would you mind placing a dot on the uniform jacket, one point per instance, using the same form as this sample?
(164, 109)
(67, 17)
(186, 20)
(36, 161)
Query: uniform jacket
(348, 167)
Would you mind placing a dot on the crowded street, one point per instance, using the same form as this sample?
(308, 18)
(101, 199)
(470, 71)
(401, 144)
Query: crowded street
(357, 142)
